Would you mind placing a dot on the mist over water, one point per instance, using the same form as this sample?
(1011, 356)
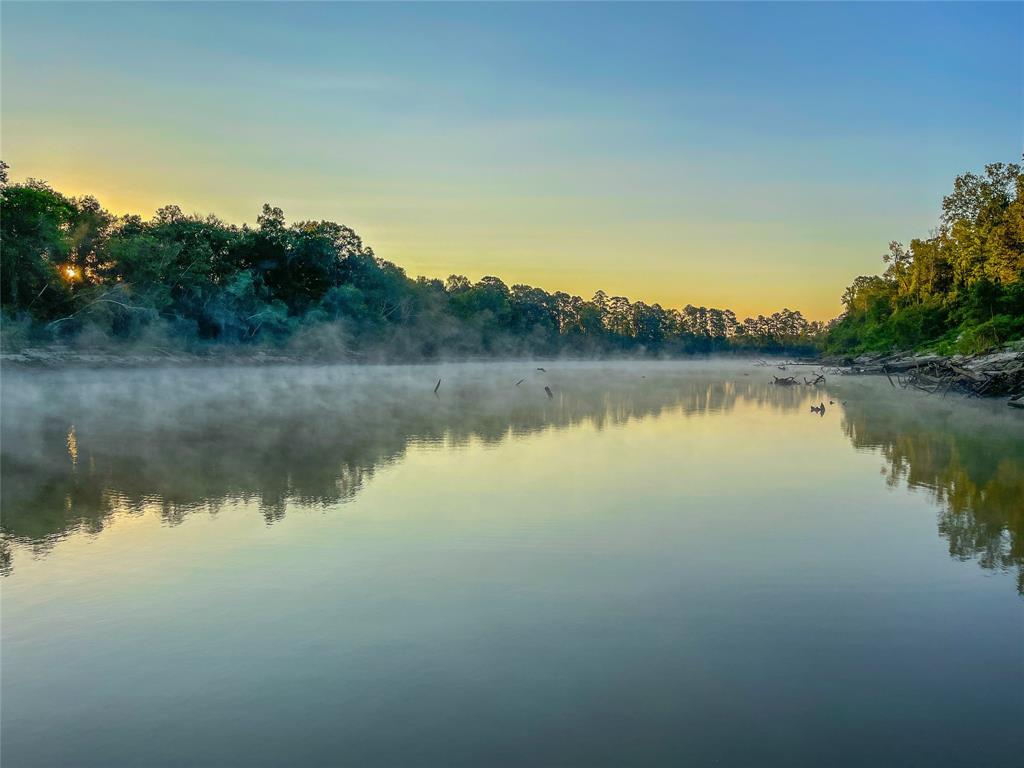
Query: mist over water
(196, 437)
(314, 564)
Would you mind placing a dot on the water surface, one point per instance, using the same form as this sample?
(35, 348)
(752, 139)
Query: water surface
(661, 564)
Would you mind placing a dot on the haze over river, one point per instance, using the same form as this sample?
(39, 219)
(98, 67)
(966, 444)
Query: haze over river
(660, 564)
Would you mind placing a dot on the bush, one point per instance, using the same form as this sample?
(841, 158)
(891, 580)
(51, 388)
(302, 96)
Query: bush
(992, 333)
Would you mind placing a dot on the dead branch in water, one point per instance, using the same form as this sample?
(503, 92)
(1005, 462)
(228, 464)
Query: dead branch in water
(989, 374)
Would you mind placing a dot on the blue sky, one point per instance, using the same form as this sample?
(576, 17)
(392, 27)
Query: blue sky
(750, 156)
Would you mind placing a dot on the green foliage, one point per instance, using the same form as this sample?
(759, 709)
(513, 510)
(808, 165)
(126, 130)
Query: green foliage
(991, 333)
(961, 290)
(35, 230)
(70, 269)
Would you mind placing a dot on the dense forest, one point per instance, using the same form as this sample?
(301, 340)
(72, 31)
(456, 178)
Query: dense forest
(959, 290)
(71, 270)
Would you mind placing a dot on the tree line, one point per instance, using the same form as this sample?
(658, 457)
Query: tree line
(961, 289)
(69, 268)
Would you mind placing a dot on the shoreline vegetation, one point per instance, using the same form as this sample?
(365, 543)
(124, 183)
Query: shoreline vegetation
(80, 286)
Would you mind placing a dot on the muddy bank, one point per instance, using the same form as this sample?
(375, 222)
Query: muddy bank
(58, 356)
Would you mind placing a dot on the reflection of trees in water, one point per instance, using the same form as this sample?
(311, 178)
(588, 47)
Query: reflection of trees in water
(974, 475)
(71, 459)
(187, 442)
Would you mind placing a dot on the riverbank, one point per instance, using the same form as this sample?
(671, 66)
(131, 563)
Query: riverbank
(55, 356)
(59, 356)
(997, 373)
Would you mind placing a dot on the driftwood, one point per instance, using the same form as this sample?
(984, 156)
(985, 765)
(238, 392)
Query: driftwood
(787, 381)
(762, 363)
(989, 375)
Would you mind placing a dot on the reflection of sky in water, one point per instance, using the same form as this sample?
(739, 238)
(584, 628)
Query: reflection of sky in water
(174, 443)
(350, 564)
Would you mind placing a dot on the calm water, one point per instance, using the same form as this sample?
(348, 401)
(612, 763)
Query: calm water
(662, 564)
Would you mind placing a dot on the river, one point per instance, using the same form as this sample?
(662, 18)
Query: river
(654, 564)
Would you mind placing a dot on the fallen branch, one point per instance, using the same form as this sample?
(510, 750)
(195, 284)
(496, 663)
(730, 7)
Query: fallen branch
(100, 300)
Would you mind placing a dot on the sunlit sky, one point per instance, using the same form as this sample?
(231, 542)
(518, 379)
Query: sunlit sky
(731, 155)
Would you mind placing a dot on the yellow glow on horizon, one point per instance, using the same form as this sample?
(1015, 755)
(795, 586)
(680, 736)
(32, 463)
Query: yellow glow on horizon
(638, 172)
(521, 246)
